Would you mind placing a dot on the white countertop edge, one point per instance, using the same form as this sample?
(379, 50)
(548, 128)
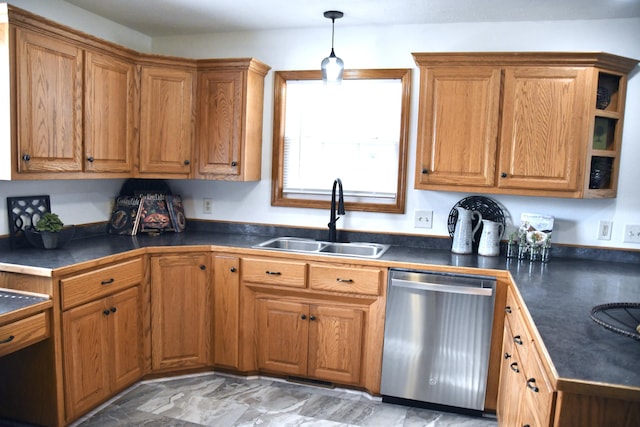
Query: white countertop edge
(23, 269)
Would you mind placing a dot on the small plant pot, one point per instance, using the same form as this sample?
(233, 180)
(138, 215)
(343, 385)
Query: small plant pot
(49, 239)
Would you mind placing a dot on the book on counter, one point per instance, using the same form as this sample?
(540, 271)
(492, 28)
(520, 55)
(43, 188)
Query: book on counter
(176, 213)
(154, 214)
(125, 216)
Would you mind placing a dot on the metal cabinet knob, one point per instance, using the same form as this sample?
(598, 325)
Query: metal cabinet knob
(187, 162)
(232, 269)
(425, 170)
(26, 157)
(90, 159)
(303, 317)
(203, 267)
(503, 174)
(234, 164)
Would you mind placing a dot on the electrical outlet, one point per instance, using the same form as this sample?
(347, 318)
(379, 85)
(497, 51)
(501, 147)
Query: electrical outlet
(423, 219)
(632, 233)
(604, 230)
(207, 206)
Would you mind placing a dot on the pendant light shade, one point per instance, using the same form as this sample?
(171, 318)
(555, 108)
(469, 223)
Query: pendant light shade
(332, 66)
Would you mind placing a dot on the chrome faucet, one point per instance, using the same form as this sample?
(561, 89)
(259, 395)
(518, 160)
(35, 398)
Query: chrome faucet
(334, 216)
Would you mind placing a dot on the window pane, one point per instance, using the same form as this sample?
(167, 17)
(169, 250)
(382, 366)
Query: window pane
(350, 131)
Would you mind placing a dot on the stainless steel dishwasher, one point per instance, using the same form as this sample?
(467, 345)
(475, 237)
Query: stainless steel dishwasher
(437, 339)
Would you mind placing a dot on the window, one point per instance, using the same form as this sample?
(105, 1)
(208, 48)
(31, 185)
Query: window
(356, 131)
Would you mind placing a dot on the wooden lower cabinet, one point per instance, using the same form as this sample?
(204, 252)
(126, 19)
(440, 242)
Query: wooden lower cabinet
(312, 340)
(181, 311)
(526, 396)
(511, 380)
(102, 349)
(226, 312)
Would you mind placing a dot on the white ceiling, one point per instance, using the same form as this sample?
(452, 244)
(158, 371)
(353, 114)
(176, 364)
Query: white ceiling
(177, 17)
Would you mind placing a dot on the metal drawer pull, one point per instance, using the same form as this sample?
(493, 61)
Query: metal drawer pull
(274, 273)
(108, 282)
(507, 356)
(507, 309)
(518, 340)
(531, 384)
(344, 280)
(514, 367)
(11, 337)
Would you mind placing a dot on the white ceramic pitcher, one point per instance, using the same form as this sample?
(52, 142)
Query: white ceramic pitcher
(490, 238)
(464, 231)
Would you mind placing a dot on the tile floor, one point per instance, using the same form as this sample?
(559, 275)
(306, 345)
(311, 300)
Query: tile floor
(221, 400)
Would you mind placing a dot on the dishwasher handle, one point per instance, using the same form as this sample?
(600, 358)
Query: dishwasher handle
(439, 287)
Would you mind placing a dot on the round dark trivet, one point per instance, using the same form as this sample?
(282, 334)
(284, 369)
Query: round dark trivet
(620, 317)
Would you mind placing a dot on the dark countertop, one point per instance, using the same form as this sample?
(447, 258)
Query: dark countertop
(559, 295)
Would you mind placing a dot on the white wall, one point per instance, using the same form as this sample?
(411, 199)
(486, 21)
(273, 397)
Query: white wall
(390, 47)
(383, 47)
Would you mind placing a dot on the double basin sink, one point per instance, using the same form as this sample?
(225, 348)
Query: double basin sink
(309, 246)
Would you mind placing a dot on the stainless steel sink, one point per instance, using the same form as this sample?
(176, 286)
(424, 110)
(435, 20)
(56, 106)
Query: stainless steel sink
(292, 244)
(366, 250)
(295, 244)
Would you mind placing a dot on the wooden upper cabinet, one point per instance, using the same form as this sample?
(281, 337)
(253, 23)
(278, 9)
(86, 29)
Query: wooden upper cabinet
(48, 76)
(544, 126)
(458, 131)
(518, 123)
(109, 125)
(88, 108)
(166, 122)
(229, 119)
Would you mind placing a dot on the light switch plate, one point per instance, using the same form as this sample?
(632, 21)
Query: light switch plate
(604, 230)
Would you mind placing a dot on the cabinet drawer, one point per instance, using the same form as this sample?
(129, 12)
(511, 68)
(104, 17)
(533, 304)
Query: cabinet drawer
(520, 334)
(98, 283)
(22, 333)
(355, 280)
(274, 272)
(539, 392)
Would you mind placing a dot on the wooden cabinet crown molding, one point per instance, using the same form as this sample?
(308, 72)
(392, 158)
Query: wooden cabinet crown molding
(569, 59)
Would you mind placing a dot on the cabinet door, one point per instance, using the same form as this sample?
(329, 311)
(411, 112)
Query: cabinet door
(48, 79)
(544, 126)
(219, 122)
(166, 121)
(109, 126)
(86, 362)
(181, 310)
(510, 382)
(126, 332)
(458, 125)
(226, 286)
(282, 336)
(335, 343)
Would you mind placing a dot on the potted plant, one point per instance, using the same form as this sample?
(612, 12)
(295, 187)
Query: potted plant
(51, 231)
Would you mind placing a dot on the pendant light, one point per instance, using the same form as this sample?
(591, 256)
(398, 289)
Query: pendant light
(332, 66)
